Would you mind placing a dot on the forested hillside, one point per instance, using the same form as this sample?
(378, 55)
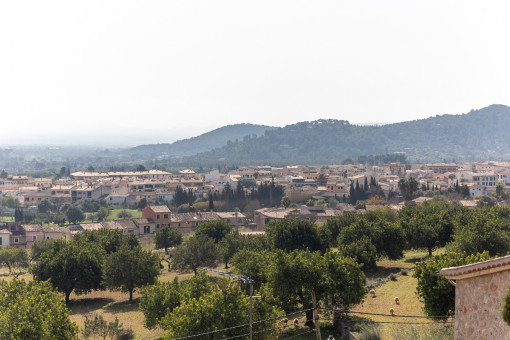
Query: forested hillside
(480, 134)
(205, 142)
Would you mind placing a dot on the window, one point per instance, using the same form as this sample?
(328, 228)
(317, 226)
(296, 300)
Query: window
(157, 226)
(47, 237)
(13, 228)
(146, 229)
(165, 216)
(16, 240)
(157, 217)
(1, 239)
(34, 238)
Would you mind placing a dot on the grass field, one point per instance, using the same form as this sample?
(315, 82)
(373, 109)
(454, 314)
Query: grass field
(115, 304)
(403, 287)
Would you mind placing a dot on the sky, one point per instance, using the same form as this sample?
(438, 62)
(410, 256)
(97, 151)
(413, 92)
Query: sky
(133, 72)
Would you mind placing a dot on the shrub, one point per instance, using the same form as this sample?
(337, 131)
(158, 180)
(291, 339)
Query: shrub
(404, 272)
(505, 311)
(393, 277)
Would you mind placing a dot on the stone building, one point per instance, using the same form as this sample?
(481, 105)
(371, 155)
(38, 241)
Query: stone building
(479, 291)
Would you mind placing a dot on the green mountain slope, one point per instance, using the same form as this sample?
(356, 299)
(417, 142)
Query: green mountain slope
(480, 134)
(205, 142)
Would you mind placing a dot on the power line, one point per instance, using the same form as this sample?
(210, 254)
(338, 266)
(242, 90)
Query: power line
(395, 315)
(244, 325)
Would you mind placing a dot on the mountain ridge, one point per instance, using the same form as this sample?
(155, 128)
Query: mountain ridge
(468, 136)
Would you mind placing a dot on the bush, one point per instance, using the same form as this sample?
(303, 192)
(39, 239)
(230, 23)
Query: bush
(403, 272)
(126, 334)
(393, 277)
(124, 214)
(505, 311)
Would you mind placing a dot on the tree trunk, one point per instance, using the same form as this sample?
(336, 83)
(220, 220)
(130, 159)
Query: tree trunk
(309, 319)
(67, 297)
(130, 295)
(430, 251)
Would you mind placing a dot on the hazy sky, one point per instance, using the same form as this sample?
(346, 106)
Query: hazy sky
(164, 70)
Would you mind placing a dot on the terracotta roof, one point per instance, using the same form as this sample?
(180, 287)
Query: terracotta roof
(5, 231)
(91, 226)
(160, 209)
(274, 212)
(127, 224)
(477, 269)
(194, 217)
(51, 229)
(141, 221)
(230, 215)
(32, 227)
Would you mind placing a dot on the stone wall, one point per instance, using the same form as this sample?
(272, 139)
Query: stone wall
(478, 301)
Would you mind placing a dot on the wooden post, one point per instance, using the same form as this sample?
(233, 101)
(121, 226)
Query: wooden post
(316, 317)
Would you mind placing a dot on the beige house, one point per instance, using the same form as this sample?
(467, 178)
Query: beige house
(479, 291)
(4, 237)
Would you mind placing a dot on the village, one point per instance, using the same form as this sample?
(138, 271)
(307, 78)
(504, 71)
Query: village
(331, 184)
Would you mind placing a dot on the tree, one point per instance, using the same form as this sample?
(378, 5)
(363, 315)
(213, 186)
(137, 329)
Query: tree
(229, 246)
(162, 298)
(437, 293)
(102, 213)
(285, 201)
(129, 268)
(227, 306)
(363, 251)
(297, 234)
(39, 247)
(198, 251)
(500, 190)
(14, 258)
(294, 276)
(167, 238)
(71, 267)
(381, 228)
(74, 214)
(142, 204)
(33, 311)
(211, 202)
(486, 201)
(428, 225)
(485, 229)
(141, 167)
(321, 179)
(10, 202)
(45, 206)
(124, 214)
(97, 326)
(215, 229)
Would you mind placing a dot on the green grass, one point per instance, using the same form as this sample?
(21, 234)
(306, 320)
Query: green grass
(386, 290)
(114, 215)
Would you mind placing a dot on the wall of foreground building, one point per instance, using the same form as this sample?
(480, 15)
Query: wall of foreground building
(478, 301)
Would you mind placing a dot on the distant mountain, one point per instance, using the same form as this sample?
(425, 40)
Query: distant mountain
(479, 134)
(205, 142)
